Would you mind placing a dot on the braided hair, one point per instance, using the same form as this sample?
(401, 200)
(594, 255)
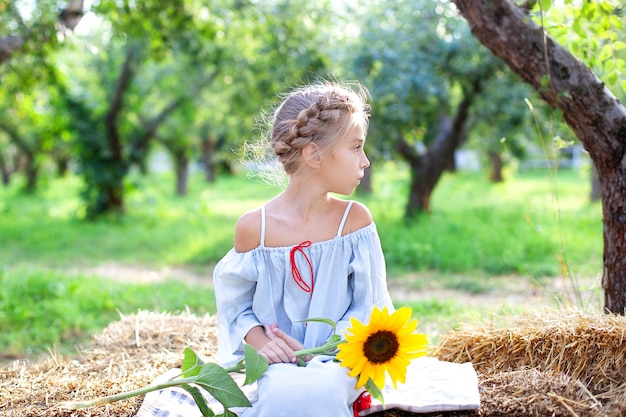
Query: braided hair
(319, 113)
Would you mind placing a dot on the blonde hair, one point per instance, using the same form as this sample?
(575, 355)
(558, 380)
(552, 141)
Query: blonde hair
(319, 113)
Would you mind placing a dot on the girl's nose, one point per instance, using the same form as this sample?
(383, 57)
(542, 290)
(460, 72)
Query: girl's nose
(366, 162)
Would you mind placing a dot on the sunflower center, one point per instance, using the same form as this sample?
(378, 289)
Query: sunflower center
(381, 347)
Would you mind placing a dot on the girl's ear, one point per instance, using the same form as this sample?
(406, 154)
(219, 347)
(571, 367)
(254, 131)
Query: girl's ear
(311, 155)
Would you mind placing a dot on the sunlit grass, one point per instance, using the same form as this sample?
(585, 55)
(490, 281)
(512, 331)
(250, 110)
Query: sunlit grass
(534, 227)
(529, 225)
(42, 309)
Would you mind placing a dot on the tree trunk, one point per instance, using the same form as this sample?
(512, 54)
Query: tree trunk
(596, 191)
(497, 164)
(427, 168)
(182, 174)
(424, 177)
(31, 172)
(27, 157)
(5, 171)
(208, 146)
(112, 189)
(62, 166)
(597, 118)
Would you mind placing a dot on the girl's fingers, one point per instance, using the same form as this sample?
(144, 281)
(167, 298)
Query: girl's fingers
(293, 343)
(269, 332)
(277, 351)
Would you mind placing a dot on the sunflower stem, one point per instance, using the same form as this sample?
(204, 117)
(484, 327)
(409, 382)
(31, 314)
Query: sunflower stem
(327, 349)
(73, 405)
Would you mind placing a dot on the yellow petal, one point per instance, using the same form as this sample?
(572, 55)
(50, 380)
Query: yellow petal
(378, 376)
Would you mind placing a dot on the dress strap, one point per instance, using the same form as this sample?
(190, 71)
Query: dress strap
(262, 244)
(345, 217)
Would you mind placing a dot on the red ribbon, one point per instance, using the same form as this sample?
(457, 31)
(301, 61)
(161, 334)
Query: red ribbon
(362, 403)
(295, 272)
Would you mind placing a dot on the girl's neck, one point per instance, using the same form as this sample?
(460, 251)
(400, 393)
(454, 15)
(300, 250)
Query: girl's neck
(304, 198)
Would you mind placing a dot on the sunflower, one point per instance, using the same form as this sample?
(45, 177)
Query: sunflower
(386, 344)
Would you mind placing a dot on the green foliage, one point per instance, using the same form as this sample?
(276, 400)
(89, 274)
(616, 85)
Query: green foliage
(418, 58)
(524, 226)
(593, 31)
(531, 227)
(516, 226)
(161, 229)
(41, 309)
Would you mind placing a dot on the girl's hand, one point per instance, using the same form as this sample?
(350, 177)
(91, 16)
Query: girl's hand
(293, 343)
(278, 349)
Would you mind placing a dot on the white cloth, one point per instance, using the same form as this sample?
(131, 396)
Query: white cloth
(431, 386)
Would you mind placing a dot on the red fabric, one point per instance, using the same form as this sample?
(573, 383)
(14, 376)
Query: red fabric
(295, 272)
(362, 403)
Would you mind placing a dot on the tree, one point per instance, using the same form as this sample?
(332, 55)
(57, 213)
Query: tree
(131, 75)
(594, 114)
(425, 75)
(28, 115)
(27, 101)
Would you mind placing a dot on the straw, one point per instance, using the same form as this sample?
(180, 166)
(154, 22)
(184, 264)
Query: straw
(552, 363)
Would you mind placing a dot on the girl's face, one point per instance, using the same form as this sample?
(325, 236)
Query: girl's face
(346, 166)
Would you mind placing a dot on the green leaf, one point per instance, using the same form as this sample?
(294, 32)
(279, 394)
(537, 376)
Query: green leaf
(619, 45)
(608, 8)
(199, 399)
(545, 5)
(605, 53)
(256, 364)
(577, 27)
(221, 385)
(228, 413)
(615, 22)
(334, 338)
(191, 364)
(374, 391)
(612, 78)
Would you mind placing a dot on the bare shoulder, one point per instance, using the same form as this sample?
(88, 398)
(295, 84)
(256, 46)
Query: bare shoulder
(358, 218)
(248, 231)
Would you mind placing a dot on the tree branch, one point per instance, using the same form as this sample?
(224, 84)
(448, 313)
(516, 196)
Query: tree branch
(573, 88)
(116, 105)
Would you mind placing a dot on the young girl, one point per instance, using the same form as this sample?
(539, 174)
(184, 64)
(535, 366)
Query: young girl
(304, 254)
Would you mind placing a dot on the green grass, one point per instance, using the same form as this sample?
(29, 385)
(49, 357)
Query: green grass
(531, 225)
(159, 228)
(44, 309)
(535, 226)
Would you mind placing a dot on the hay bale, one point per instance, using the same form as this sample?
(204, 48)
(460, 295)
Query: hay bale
(127, 355)
(523, 370)
(558, 363)
(534, 393)
(584, 346)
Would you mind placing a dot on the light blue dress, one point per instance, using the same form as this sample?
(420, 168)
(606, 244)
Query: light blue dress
(257, 288)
